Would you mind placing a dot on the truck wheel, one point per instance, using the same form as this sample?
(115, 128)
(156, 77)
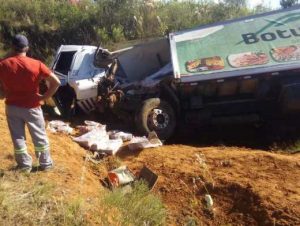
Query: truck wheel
(156, 115)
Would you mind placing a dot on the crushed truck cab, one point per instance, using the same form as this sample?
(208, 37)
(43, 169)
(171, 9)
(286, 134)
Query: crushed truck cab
(242, 70)
(82, 78)
(79, 78)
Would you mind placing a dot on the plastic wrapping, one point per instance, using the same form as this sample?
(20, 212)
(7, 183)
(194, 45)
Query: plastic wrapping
(98, 140)
(57, 126)
(89, 126)
(139, 143)
(92, 137)
(116, 134)
(107, 146)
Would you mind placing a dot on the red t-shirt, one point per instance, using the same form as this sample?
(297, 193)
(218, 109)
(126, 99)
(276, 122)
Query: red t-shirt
(20, 77)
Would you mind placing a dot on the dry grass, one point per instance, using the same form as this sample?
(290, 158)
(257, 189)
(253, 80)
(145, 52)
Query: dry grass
(70, 194)
(25, 200)
(32, 199)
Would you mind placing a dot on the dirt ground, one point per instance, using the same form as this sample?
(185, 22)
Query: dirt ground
(248, 186)
(71, 173)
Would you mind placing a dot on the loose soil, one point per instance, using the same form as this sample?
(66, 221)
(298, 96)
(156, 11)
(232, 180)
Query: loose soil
(249, 186)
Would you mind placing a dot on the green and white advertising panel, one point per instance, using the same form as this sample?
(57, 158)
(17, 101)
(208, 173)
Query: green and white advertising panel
(261, 41)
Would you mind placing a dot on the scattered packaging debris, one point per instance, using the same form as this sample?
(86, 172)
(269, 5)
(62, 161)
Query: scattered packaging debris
(148, 176)
(116, 134)
(89, 126)
(95, 158)
(209, 201)
(92, 137)
(108, 146)
(98, 140)
(57, 126)
(120, 176)
(139, 143)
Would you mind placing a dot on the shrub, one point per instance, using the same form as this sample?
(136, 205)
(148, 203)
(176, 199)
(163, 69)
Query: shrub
(102, 36)
(117, 33)
(52, 23)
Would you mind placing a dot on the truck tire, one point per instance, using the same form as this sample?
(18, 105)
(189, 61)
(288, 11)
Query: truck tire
(156, 115)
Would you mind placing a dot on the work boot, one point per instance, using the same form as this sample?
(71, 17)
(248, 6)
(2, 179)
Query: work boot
(46, 168)
(23, 169)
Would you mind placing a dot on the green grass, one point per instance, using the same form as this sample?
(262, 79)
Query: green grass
(291, 147)
(31, 199)
(136, 207)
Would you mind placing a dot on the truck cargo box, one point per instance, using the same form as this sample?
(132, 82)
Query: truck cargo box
(268, 42)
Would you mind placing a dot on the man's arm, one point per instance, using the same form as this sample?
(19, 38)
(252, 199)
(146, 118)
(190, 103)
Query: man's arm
(2, 93)
(53, 84)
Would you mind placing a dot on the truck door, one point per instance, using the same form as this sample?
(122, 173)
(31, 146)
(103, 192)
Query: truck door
(62, 65)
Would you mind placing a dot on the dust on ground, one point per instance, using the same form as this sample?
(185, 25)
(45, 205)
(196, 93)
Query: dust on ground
(249, 186)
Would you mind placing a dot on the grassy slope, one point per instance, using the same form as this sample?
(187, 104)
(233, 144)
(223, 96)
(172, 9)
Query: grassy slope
(60, 192)
(71, 194)
(249, 187)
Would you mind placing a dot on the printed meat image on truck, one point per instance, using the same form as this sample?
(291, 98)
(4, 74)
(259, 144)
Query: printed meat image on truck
(247, 59)
(238, 70)
(288, 53)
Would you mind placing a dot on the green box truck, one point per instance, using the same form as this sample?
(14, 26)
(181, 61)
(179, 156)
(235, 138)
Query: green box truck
(237, 70)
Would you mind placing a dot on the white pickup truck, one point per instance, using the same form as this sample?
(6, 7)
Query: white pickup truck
(238, 70)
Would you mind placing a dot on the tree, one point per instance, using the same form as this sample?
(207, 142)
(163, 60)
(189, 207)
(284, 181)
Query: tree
(236, 3)
(287, 3)
(261, 8)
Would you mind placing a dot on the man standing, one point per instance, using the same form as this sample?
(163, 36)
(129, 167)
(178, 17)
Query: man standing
(20, 77)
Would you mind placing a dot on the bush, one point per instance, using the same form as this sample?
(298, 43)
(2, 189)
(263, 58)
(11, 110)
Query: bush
(52, 23)
(117, 33)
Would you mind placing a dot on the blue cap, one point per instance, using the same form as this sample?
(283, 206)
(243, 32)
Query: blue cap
(20, 41)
